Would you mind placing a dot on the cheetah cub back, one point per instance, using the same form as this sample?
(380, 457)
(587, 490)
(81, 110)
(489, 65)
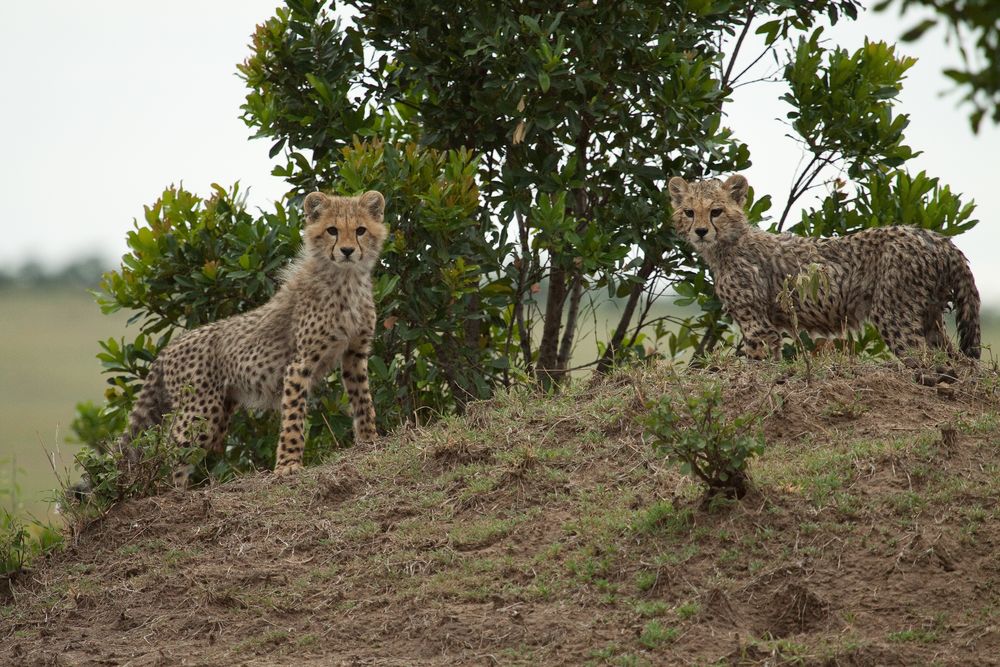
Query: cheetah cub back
(899, 278)
(270, 358)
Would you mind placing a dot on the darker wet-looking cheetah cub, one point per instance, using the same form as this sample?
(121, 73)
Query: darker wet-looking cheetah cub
(323, 314)
(899, 278)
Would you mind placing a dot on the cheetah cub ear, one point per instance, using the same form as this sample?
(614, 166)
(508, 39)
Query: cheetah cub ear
(315, 201)
(678, 188)
(736, 185)
(374, 203)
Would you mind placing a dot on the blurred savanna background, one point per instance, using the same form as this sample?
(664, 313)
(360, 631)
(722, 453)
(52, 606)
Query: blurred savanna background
(128, 99)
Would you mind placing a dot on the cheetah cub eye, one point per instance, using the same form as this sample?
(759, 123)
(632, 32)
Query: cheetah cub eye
(689, 212)
(361, 231)
(716, 212)
(332, 231)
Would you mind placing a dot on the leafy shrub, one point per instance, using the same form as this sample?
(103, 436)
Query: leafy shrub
(143, 467)
(703, 441)
(191, 261)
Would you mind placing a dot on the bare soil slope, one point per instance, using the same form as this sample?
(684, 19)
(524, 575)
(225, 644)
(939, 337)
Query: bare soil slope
(545, 530)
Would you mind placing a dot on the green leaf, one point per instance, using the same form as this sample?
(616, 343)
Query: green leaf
(917, 31)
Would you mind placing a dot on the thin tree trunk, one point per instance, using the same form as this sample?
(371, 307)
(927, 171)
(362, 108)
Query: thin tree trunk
(566, 347)
(552, 358)
(523, 273)
(450, 363)
(712, 335)
(613, 349)
(473, 327)
(547, 370)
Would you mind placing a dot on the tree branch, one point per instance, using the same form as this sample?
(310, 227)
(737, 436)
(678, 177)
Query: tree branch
(739, 42)
(803, 183)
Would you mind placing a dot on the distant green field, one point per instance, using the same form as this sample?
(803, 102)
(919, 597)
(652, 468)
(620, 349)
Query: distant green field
(49, 342)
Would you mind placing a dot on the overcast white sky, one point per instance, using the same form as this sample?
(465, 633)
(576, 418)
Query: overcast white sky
(105, 103)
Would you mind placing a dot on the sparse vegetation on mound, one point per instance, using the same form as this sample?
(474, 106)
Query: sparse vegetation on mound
(549, 530)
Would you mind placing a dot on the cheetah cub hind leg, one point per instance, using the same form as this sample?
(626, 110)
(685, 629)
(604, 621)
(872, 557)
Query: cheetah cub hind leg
(182, 476)
(201, 422)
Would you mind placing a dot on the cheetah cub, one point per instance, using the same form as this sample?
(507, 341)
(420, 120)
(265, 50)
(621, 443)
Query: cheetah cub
(323, 314)
(899, 278)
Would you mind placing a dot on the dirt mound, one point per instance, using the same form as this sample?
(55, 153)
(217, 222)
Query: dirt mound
(547, 530)
(793, 609)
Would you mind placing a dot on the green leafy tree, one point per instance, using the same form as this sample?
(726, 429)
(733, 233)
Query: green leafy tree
(577, 113)
(522, 148)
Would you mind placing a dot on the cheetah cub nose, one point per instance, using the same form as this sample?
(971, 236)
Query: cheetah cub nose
(347, 251)
(701, 231)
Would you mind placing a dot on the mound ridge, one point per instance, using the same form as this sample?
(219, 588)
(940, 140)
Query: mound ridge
(545, 530)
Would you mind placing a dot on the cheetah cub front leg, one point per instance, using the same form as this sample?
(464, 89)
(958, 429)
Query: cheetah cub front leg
(294, 399)
(295, 396)
(354, 369)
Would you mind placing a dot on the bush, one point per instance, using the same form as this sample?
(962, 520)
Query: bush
(143, 467)
(703, 441)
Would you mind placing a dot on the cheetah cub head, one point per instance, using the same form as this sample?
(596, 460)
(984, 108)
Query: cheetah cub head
(709, 213)
(347, 231)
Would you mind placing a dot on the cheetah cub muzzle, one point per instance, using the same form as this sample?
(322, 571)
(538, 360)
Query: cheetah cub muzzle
(899, 278)
(271, 357)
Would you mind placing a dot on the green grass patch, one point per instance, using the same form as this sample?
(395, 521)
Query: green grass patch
(481, 533)
(655, 634)
(688, 610)
(663, 518)
(914, 635)
(651, 609)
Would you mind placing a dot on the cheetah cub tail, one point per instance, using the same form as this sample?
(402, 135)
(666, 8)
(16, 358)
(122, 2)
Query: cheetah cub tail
(149, 407)
(966, 298)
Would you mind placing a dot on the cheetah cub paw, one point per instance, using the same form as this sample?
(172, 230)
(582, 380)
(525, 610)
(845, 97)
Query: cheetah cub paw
(285, 469)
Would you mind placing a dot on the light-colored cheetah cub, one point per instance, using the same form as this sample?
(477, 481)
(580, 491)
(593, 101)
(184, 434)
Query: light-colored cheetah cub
(270, 357)
(899, 278)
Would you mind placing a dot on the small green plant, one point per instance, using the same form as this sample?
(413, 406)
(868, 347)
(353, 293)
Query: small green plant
(688, 610)
(703, 441)
(646, 579)
(655, 633)
(20, 540)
